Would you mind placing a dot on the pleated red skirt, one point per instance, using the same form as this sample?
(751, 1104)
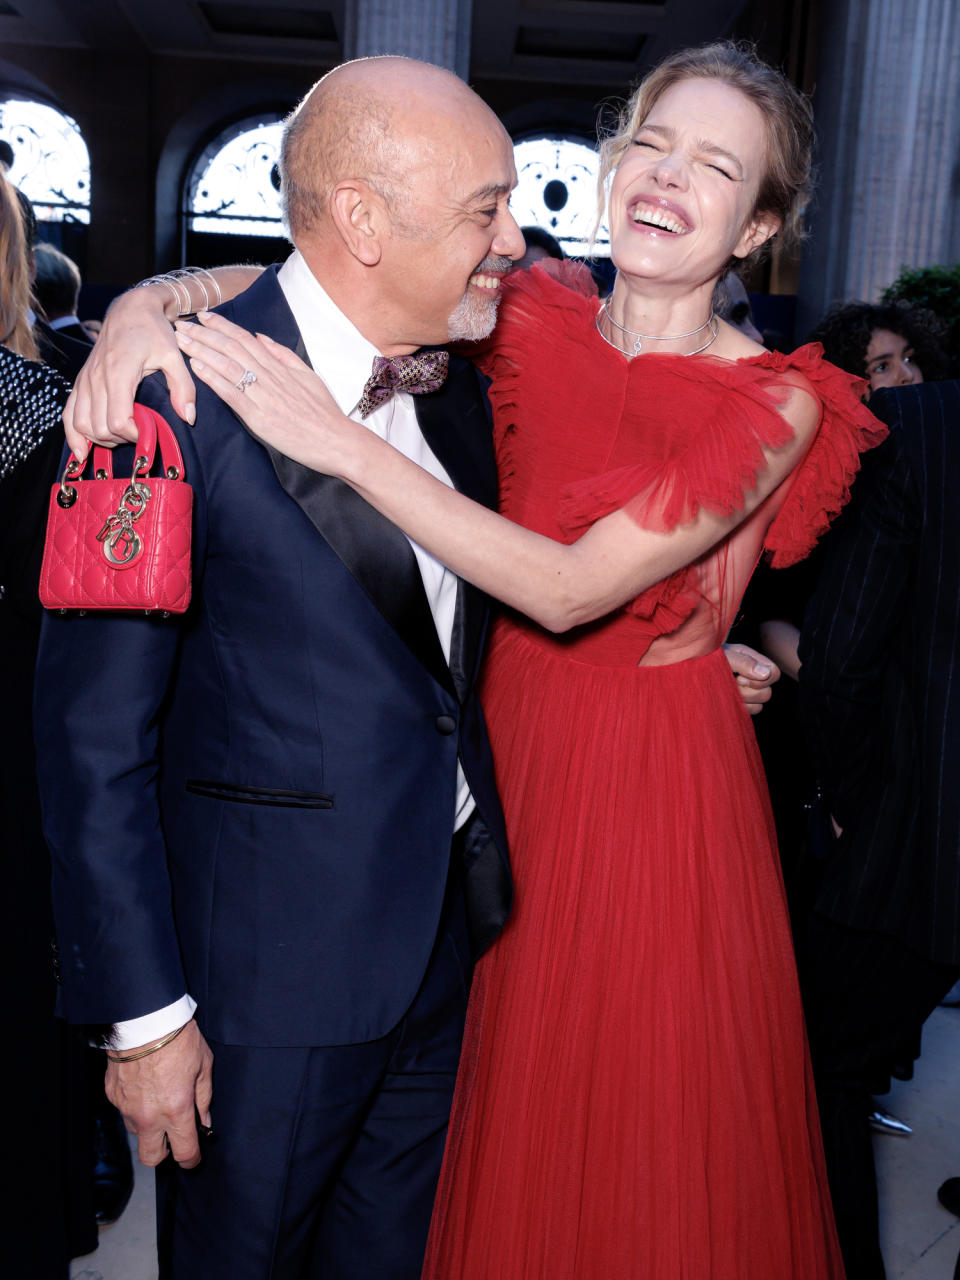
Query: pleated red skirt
(635, 1099)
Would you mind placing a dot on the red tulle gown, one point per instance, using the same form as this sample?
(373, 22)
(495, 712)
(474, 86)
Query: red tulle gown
(635, 1099)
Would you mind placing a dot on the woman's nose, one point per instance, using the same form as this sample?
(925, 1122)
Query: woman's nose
(671, 171)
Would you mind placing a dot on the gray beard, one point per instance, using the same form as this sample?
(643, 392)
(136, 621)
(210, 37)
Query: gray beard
(472, 318)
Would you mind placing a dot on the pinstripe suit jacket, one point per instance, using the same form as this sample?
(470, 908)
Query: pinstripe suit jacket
(880, 680)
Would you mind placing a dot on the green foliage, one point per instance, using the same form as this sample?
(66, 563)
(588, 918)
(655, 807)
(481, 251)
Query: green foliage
(936, 288)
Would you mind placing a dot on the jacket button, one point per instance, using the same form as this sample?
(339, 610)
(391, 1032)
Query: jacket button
(446, 725)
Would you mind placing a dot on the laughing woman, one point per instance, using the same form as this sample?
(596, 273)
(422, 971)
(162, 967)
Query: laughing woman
(635, 1099)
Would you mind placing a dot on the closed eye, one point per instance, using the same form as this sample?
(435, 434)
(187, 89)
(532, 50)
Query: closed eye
(718, 169)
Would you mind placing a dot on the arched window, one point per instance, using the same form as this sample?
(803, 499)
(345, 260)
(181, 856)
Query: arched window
(234, 185)
(557, 190)
(51, 164)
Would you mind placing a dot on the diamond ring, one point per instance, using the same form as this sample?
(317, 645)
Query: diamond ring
(245, 381)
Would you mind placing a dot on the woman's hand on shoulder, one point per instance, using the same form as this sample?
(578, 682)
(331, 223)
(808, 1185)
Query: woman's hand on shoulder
(136, 340)
(274, 393)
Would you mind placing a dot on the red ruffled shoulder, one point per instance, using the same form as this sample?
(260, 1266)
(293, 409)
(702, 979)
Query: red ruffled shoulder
(820, 487)
(563, 271)
(700, 439)
(698, 444)
(691, 431)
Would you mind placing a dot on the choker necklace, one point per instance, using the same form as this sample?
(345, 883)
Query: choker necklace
(711, 322)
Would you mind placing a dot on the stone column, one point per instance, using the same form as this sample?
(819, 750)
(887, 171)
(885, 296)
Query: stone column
(888, 117)
(436, 31)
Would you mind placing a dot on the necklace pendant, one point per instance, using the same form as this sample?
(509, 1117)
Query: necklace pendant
(711, 323)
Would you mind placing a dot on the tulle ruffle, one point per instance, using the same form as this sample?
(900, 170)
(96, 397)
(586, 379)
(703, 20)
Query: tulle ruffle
(692, 434)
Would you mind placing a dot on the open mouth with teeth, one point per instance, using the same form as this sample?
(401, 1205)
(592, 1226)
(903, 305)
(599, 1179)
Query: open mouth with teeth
(647, 215)
(486, 282)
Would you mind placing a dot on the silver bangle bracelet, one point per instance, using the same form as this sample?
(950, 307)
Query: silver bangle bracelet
(186, 307)
(186, 274)
(198, 271)
(179, 280)
(168, 283)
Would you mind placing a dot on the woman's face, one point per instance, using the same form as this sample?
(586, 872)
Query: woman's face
(683, 196)
(889, 361)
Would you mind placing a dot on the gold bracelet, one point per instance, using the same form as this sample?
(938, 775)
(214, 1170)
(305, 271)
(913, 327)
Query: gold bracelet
(145, 1053)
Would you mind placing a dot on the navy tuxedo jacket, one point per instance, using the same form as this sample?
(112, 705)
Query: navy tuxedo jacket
(254, 803)
(880, 680)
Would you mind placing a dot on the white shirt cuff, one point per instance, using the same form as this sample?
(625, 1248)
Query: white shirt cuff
(152, 1026)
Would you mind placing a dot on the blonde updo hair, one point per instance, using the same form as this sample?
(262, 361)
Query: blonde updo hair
(787, 183)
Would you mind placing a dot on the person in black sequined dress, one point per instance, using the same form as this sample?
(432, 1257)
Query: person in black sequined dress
(49, 1195)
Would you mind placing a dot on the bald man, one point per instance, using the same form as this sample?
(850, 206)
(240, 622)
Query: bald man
(273, 820)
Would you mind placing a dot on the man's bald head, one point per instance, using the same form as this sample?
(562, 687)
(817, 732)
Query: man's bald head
(376, 120)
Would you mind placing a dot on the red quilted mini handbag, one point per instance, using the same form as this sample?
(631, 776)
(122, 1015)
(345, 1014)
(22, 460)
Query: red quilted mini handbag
(121, 544)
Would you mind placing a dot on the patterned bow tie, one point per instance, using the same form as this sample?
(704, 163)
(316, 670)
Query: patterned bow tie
(424, 371)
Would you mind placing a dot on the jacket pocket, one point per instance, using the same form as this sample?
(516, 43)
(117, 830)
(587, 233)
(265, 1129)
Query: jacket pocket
(259, 795)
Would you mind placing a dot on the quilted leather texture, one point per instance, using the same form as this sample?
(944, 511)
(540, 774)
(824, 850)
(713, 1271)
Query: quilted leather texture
(76, 573)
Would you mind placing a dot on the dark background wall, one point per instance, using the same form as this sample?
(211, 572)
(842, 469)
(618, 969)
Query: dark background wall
(146, 112)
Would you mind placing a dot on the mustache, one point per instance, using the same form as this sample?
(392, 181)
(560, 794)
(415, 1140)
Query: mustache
(494, 265)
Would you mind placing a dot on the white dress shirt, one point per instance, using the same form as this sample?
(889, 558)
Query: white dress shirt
(61, 322)
(343, 358)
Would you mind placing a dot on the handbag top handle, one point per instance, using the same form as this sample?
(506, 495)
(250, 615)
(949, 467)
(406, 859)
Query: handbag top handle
(151, 428)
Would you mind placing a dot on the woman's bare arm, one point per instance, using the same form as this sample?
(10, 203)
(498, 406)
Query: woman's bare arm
(136, 339)
(558, 585)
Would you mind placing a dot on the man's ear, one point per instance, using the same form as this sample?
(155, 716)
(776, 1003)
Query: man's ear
(758, 231)
(360, 218)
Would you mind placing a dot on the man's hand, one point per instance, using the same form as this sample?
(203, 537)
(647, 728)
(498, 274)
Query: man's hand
(160, 1095)
(754, 674)
(136, 340)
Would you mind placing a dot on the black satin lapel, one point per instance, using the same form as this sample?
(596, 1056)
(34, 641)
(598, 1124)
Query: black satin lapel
(455, 425)
(376, 552)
